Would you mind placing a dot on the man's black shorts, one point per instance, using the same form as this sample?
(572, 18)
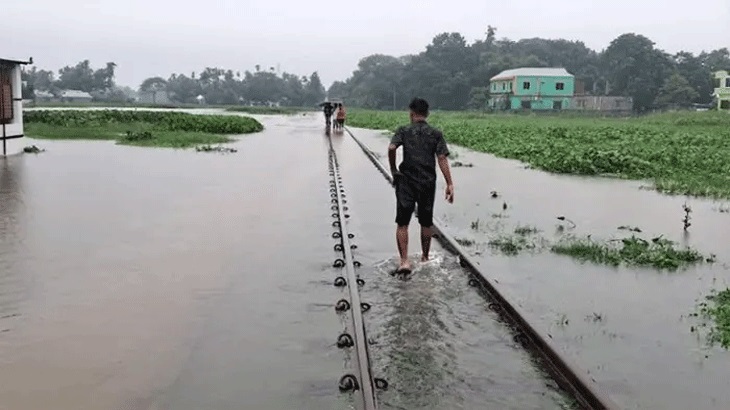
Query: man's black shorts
(408, 194)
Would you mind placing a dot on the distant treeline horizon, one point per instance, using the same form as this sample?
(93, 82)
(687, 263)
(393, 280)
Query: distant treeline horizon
(453, 75)
(450, 73)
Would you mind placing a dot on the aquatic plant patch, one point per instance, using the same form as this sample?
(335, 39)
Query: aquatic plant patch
(658, 252)
(715, 313)
(139, 127)
(681, 153)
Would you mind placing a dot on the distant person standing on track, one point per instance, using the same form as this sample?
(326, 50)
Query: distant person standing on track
(415, 179)
(328, 110)
(340, 117)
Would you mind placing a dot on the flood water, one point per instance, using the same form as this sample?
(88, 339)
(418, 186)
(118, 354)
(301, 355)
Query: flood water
(626, 327)
(139, 278)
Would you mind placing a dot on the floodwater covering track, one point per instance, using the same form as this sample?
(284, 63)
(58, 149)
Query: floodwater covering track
(362, 382)
(569, 378)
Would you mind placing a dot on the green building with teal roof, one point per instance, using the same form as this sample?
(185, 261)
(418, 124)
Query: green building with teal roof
(529, 88)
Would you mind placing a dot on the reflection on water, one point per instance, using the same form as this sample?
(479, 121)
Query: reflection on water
(159, 278)
(12, 220)
(419, 360)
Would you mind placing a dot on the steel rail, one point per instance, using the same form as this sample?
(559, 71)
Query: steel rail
(364, 384)
(570, 378)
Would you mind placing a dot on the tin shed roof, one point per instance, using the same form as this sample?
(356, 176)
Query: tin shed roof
(532, 71)
(16, 61)
(75, 94)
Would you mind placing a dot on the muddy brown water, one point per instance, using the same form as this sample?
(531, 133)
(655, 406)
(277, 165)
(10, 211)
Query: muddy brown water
(627, 327)
(139, 278)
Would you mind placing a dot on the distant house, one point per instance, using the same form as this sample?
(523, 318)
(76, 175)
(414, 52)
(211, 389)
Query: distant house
(601, 103)
(722, 90)
(75, 96)
(531, 88)
(11, 103)
(154, 97)
(44, 96)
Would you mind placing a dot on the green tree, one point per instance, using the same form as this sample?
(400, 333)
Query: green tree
(153, 84)
(635, 68)
(79, 77)
(478, 98)
(676, 92)
(314, 91)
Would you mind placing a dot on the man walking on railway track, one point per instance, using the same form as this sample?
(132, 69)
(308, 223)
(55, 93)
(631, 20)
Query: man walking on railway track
(329, 109)
(415, 179)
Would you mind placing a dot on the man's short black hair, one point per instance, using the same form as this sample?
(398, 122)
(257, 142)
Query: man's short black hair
(419, 106)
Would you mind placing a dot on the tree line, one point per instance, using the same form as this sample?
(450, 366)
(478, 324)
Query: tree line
(453, 75)
(215, 85)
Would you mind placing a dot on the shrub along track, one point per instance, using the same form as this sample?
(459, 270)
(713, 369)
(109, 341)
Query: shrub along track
(572, 380)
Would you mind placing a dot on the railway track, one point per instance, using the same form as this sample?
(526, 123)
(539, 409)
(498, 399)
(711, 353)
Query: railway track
(572, 380)
(360, 380)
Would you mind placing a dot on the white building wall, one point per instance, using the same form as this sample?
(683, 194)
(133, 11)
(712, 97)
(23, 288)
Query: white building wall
(14, 146)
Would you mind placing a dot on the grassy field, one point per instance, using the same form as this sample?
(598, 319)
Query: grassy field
(141, 128)
(681, 153)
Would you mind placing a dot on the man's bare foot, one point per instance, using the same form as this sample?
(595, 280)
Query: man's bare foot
(405, 267)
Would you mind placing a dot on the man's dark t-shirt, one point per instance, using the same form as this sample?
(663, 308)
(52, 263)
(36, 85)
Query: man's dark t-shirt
(421, 144)
(328, 110)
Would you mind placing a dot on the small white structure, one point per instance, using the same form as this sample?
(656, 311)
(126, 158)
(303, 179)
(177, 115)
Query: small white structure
(154, 97)
(11, 104)
(76, 96)
(722, 90)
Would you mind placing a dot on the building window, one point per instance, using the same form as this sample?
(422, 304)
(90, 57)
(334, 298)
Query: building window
(559, 86)
(526, 85)
(727, 82)
(503, 86)
(557, 105)
(6, 94)
(526, 104)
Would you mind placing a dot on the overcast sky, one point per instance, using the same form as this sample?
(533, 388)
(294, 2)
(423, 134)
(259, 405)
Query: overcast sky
(158, 37)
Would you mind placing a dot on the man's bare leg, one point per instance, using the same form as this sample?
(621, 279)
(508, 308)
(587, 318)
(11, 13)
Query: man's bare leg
(401, 236)
(426, 234)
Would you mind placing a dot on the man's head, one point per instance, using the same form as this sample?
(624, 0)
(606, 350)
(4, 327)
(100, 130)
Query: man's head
(419, 109)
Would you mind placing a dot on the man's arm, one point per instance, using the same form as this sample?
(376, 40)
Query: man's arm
(391, 158)
(442, 153)
(445, 169)
(395, 142)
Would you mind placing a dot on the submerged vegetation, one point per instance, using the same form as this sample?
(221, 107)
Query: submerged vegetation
(141, 128)
(511, 245)
(32, 149)
(715, 313)
(659, 253)
(682, 153)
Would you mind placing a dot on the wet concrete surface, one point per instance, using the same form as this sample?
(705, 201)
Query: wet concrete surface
(141, 278)
(627, 327)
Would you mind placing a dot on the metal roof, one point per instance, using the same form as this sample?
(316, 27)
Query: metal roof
(16, 61)
(75, 94)
(532, 71)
